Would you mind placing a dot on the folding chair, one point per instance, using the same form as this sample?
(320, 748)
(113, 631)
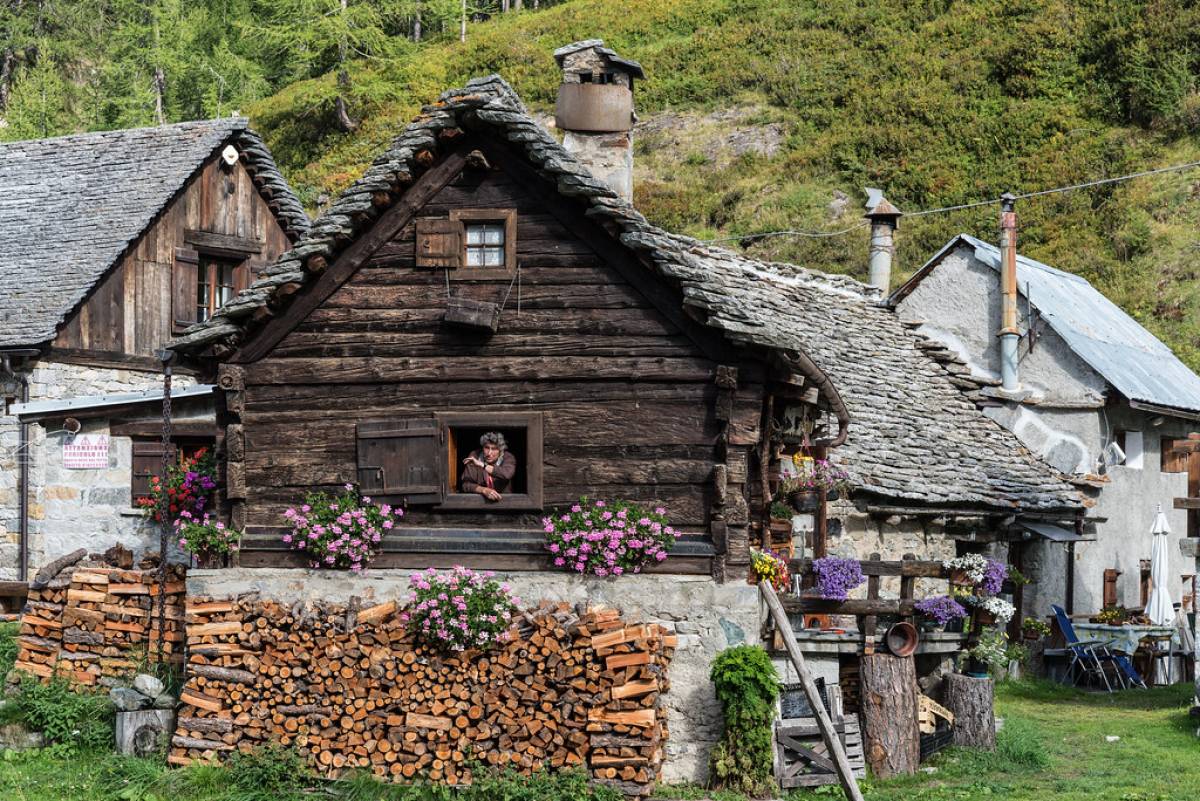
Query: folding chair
(1090, 655)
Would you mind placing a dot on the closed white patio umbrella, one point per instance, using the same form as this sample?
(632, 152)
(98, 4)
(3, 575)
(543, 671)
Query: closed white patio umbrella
(1159, 608)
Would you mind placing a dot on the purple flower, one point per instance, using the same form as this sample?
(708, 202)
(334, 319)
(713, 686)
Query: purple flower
(941, 608)
(837, 576)
(993, 577)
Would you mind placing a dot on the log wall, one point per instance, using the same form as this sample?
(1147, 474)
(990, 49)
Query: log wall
(96, 623)
(349, 688)
(631, 404)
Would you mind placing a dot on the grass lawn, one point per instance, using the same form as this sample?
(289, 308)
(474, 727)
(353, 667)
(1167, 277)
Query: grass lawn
(1053, 747)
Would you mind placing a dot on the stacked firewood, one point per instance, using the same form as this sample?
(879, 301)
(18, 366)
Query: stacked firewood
(91, 622)
(350, 688)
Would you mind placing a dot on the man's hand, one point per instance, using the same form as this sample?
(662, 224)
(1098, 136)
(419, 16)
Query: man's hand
(474, 461)
(491, 494)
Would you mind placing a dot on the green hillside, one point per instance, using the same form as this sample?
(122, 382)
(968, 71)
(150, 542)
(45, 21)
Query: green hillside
(936, 102)
(762, 115)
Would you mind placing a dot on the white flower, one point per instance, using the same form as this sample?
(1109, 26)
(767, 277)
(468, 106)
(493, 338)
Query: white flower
(1000, 608)
(974, 565)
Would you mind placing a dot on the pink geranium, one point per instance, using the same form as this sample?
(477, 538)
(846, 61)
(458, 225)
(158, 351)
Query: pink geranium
(343, 531)
(606, 539)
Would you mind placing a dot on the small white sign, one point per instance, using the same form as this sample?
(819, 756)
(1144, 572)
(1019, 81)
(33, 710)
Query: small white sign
(86, 452)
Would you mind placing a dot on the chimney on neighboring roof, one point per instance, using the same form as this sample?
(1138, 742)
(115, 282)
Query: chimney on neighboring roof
(884, 218)
(595, 110)
(1010, 335)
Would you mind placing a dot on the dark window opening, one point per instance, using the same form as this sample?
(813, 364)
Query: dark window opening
(215, 285)
(147, 460)
(464, 440)
(585, 77)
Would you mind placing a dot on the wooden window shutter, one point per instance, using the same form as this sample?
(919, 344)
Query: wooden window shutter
(147, 463)
(1111, 576)
(183, 288)
(401, 459)
(1173, 461)
(439, 243)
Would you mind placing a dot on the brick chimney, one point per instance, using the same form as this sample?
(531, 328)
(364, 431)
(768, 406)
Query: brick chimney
(595, 110)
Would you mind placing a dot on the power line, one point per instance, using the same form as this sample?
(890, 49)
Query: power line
(977, 204)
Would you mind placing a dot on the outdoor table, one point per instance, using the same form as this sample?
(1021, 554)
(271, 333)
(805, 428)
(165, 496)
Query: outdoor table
(1126, 638)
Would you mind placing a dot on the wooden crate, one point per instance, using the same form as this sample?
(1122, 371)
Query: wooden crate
(802, 759)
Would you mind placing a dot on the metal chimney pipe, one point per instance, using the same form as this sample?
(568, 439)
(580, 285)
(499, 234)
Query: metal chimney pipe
(884, 219)
(1009, 334)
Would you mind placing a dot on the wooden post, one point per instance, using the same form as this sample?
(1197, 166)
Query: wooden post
(828, 733)
(971, 701)
(869, 621)
(888, 702)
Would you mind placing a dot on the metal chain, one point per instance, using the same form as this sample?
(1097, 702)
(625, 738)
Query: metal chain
(164, 509)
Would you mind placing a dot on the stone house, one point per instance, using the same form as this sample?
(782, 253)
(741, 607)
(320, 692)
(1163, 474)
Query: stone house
(1097, 397)
(637, 364)
(113, 242)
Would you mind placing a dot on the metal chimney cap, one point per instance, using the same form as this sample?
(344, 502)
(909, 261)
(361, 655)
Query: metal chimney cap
(1007, 201)
(880, 208)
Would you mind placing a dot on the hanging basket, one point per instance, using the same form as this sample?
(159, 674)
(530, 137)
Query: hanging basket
(474, 315)
(805, 500)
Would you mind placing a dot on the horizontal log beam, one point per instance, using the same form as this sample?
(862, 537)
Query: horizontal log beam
(874, 567)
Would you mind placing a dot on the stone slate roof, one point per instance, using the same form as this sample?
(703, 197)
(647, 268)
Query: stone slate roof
(914, 437)
(71, 206)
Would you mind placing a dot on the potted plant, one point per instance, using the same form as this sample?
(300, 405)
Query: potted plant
(460, 609)
(188, 487)
(1112, 616)
(939, 610)
(343, 531)
(836, 576)
(803, 489)
(987, 656)
(993, 611)
(781, 521)
(208, 540)
(770, 567)
(1033, 628)
(604, 538)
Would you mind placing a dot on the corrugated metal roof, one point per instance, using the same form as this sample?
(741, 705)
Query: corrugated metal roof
(1116, 346)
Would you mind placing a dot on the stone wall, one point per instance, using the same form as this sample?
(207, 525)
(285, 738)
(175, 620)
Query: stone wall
(71, 509)
(706, 617)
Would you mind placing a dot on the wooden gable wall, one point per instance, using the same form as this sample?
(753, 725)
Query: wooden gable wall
(130, 314)
(628, 400)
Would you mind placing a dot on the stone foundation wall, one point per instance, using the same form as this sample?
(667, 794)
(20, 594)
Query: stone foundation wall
(71, 509)
(706, 618)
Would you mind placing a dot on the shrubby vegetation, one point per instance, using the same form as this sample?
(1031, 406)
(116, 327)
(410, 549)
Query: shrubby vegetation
(747, 685)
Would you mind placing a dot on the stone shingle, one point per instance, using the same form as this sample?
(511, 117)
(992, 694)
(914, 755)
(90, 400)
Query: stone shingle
(70, 206)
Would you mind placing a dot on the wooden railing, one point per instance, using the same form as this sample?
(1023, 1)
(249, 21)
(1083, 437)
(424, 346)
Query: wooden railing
(867, 610)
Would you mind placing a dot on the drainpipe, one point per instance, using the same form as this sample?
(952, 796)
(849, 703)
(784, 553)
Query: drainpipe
(1009, 334)
(22, 475)
(884, 218)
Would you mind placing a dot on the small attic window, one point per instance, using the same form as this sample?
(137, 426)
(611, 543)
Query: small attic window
(485, 244)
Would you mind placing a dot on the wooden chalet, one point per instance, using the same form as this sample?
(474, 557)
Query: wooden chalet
(477, 277)
(112, 243)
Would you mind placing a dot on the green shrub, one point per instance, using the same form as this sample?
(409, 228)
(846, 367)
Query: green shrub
(746, 684)
(8, 647)
(75, 719)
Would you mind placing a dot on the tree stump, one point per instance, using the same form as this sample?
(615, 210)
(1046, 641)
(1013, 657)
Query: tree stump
(970, 700)
(891, 737)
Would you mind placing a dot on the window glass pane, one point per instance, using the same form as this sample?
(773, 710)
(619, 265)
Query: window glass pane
(474, 257)
(475, 234)
(495, 257)
(494, 235)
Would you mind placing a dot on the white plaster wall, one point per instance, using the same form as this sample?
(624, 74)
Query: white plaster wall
(708, 617)
(71, 509)
(959, 303)
(1128, 502)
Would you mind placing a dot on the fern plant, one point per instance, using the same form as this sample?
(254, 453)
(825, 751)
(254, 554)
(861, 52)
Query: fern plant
(746, 684)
